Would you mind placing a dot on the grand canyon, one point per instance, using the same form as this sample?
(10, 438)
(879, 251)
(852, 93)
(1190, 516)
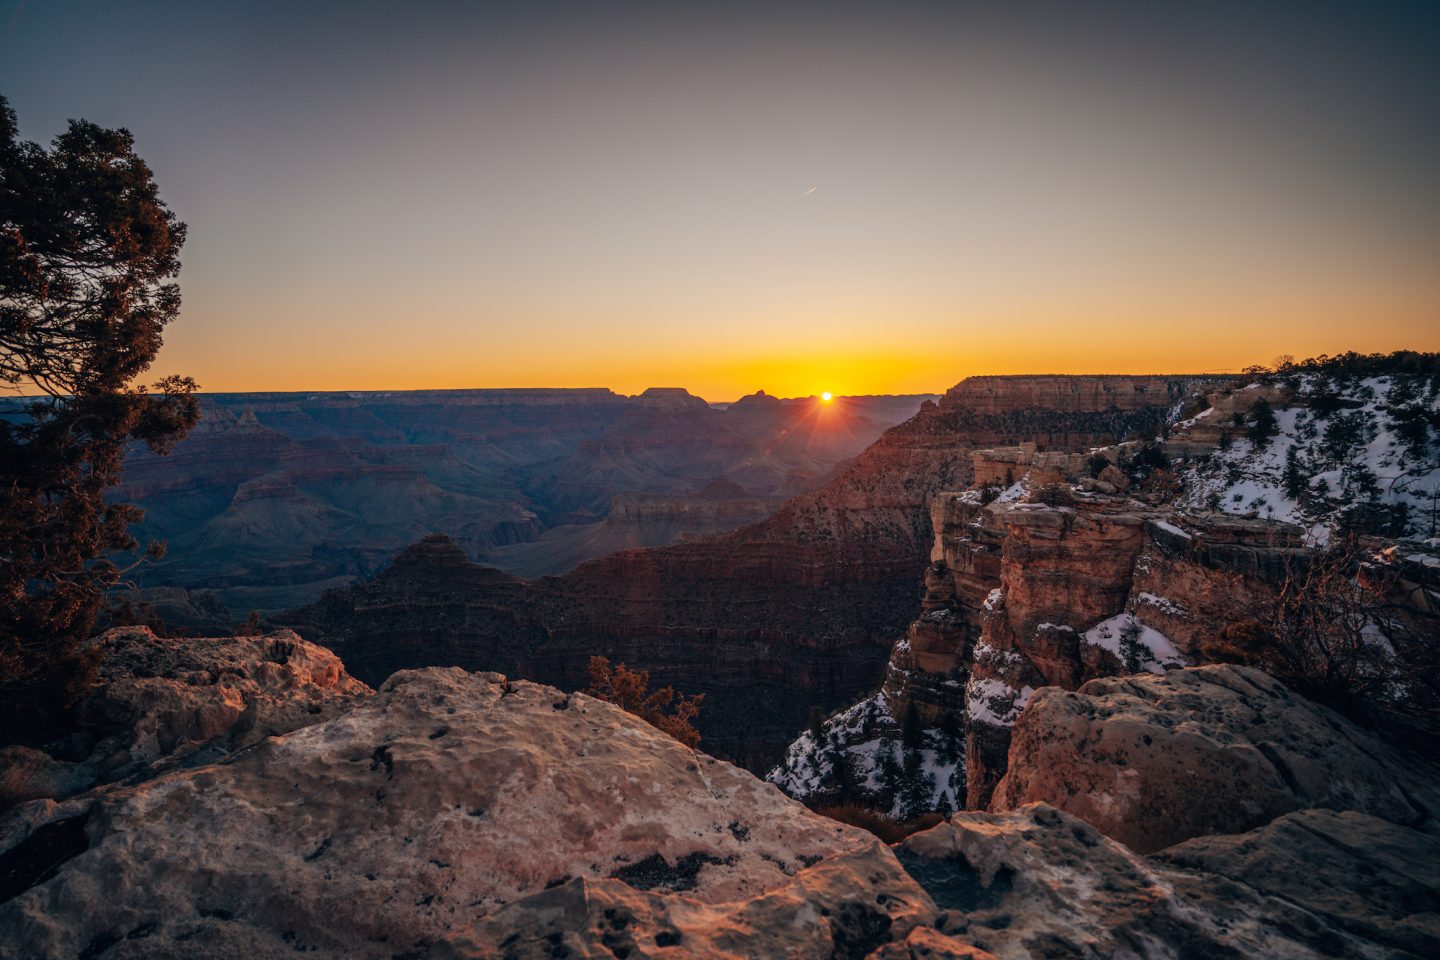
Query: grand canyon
(854, 484)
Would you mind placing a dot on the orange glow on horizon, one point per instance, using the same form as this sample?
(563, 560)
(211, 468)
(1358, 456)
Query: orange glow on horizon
(926, 355)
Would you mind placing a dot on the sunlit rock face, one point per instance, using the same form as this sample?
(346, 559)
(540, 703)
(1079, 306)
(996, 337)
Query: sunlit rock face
(1056, 567)
(465, 815)
(1247, 519)
(453, 814)
(1078, 394)
(1198, 573)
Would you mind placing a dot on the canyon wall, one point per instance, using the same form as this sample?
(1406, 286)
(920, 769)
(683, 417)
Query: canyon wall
(1058, 568)
(1079, 394)
(637, 520)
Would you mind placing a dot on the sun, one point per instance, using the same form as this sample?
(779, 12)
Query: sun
(827, 396)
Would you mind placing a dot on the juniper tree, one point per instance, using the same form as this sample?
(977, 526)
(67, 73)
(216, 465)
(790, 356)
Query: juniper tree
(664, 709)
(1263, 424)
(888, 764)
(1293, 478)
(952, 737)
(1133, 653)
(910, 728)
(816, 726)
(917, 786)
(88, 259)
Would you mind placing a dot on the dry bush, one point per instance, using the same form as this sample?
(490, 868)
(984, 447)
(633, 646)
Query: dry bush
(664, 709)
(1332, 630)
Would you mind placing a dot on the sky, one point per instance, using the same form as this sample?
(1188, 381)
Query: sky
(857, 198)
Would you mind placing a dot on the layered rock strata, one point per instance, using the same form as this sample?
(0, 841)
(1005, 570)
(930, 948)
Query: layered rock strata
(274, 497)
(793, 612)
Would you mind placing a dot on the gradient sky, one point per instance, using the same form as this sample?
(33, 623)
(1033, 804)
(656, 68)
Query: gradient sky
(874, 198)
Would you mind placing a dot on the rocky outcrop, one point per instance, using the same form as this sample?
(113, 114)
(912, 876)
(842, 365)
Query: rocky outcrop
(1002, 466)
(162, 702)
(1366, 878)
(1152, 760)
(1066, 567)
(452, 814)
(459, 815)
(1038, 883)
(1199, 572)
(1224, 414)
(852, 905)
(1039, 586)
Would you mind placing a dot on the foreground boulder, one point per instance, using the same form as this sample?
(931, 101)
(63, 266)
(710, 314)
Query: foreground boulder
(162, 701)
(456, 813)
(1155, 760)
(1038, 883)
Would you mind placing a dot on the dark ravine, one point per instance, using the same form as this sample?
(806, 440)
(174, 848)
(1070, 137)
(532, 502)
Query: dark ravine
(796, 611)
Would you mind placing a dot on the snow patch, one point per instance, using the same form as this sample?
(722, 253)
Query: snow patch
(1153, 649)
(994, 701)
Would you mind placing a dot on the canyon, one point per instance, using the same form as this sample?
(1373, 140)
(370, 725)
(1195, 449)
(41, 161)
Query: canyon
(274, 498)
(1080, 769)
(799, 610)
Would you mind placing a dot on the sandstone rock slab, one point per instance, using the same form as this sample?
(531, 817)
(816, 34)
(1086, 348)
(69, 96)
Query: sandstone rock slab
(161, 700)
(1154, 760)
(1038, 883)
(417, 815)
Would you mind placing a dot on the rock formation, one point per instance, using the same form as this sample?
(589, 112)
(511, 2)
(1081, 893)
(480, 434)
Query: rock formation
(1038, 883)
(1081, 394)
(1152, 760)
(1073, 571)
(459, 815)
(161, 702)
(452, 814)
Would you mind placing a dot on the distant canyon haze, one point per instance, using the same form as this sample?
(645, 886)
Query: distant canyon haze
(276, 497)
